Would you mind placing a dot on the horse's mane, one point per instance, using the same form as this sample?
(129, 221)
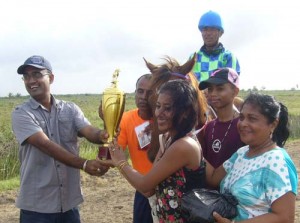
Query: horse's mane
(170, 70)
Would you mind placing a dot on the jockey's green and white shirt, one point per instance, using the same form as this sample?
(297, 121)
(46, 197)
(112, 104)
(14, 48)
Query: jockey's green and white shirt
(258, 181)
(207, 62)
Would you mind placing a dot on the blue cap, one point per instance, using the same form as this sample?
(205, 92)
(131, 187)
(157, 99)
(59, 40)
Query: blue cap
(35, 61)
(211, 19)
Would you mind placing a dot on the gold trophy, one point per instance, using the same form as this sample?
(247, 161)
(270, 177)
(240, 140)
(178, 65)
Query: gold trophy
(113, 103)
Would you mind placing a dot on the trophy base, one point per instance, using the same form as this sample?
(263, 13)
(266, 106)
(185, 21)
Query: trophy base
(103, 153)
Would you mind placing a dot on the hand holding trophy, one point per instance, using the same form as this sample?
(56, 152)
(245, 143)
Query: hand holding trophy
(113, 103)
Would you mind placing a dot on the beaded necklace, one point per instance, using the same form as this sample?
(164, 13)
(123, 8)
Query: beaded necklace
(217, 144)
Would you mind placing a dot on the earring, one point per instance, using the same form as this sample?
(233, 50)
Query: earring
(271, 134)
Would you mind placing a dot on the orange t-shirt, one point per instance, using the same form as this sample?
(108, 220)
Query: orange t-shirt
(128, 137)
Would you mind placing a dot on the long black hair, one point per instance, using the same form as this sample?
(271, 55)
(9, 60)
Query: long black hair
(185, 106)
(272, 110)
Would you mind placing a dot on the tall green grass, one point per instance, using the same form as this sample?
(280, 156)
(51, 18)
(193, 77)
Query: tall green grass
(9, 164)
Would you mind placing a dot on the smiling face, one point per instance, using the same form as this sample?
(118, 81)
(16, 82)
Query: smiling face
(164, 112)
(254, 127)
(221, 95)
(37, 82)
(211, 36)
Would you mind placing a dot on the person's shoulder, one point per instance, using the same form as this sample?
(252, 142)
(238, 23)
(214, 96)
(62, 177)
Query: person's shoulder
(228, 53)
(185, 143)
(211, 122)
(280, 152)
(242, 150)
(23, 106)
(130, 113)
(186, 147)
(62, 102)
(129, 117)
(66, 104)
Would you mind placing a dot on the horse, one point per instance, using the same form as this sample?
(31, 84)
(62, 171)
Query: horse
(162, 73)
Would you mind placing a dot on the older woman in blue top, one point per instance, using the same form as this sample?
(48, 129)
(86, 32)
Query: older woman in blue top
(261, 175)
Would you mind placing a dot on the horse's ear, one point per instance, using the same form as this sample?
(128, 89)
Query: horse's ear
(150, 66)
(188, 66)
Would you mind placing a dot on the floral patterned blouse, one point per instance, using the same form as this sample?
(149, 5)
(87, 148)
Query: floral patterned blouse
(170, 191)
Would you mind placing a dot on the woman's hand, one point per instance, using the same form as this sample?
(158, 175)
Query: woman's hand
(220, 219)
(117, 154)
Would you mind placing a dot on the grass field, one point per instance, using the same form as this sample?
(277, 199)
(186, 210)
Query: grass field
(9, 165)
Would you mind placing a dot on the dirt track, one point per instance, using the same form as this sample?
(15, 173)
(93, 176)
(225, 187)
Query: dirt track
(110, 198)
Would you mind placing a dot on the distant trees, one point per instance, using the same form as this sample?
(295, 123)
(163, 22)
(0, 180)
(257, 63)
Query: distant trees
(11, 95)
(254, 89)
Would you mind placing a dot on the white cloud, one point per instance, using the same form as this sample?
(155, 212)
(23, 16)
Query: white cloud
(86, 41)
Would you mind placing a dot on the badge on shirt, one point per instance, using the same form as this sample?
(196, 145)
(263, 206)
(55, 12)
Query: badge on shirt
(144, 137)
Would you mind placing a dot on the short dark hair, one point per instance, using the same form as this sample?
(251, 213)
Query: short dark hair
(146, 76)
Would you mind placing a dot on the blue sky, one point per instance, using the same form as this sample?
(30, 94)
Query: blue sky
(85, 41)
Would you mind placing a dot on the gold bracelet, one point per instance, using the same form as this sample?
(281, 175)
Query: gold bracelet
(122, 165)
(120, 162)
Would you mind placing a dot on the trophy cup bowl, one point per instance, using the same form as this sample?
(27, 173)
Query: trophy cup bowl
(113, 103)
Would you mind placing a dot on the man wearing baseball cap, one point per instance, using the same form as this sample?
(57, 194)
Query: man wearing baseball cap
(35, 61)
(221, 138)
(221, 76)
(47, 131)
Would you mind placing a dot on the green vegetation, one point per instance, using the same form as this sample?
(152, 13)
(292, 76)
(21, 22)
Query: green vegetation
(9, 164)
(291, 100)
(288, 98)
(10, 184)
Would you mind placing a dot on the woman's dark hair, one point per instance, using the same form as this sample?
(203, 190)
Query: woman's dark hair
(185, 105)
(272, 110)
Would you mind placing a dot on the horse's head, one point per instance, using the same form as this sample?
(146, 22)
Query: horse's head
(163, 73)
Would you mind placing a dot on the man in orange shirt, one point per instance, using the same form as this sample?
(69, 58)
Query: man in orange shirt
(131, 135)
